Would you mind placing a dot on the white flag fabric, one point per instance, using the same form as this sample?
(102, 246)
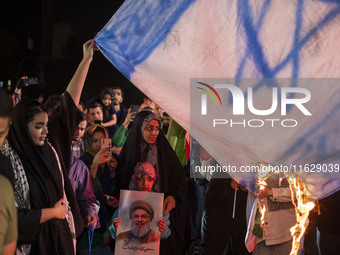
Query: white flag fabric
(164, 47)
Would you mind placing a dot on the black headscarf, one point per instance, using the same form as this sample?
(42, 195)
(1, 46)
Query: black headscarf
(41, 167)
(106, 115)
(171, 178)
(6, 108)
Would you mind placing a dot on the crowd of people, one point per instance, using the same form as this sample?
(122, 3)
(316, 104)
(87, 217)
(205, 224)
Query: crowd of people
(58, 182)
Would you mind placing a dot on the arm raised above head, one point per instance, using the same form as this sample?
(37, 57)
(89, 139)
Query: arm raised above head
(76, 84)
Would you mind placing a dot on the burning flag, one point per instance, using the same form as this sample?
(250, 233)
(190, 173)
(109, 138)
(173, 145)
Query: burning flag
(170, 49)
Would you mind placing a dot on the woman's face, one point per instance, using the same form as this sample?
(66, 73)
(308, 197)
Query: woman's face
(145, 183)
(37, 128)
(96, 141)
(151, 131)
(107, 99)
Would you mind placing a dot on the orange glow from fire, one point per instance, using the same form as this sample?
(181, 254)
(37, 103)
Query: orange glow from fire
(263, 210)
(302, 209)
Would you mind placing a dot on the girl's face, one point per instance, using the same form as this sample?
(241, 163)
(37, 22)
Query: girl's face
(37, 128)
(151, 131)
(96, 141)
(107, 99)
(145, 183)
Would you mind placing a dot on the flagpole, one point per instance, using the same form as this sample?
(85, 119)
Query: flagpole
(234, 206)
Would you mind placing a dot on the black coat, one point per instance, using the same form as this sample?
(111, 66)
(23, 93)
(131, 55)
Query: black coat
(171, 177)
(45, 182)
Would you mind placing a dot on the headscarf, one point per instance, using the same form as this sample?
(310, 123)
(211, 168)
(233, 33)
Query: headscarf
(147, 119)
(103, 182)
(172, 180)
(40, 166)
(88, 136)
(6, 105)
(133, 149)
(30, 155)
(106, 113)
(142, 168)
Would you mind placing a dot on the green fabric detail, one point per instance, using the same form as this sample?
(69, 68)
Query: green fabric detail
(96, 183)
(258, 231)
(120, 136)
(176, 138)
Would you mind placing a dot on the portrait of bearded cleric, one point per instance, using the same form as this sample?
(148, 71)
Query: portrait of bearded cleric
(141, 214)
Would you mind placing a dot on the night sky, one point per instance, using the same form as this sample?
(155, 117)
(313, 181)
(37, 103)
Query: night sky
(57, 30)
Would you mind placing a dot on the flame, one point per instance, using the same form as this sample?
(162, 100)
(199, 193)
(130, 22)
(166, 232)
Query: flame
(302, 209)
(262, 184)
(263, 210)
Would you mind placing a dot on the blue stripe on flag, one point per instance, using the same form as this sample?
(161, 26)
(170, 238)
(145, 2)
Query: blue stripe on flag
(131, 38)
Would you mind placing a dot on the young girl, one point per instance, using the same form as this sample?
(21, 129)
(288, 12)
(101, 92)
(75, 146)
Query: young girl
(109, 112)
(143, 179)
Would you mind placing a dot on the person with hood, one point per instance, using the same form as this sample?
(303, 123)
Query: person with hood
(44, 154)
(147, 143)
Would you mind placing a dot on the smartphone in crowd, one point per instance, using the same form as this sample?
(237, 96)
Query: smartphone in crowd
(99, 122)
(112, 200)
(31, 81)
(134, 108)
(106, 143)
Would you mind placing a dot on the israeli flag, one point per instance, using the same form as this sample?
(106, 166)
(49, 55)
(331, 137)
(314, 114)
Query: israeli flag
(168, 48)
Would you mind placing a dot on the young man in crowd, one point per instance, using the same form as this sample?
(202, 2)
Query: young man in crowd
(94, 113)
(121, 111)
(78, 146)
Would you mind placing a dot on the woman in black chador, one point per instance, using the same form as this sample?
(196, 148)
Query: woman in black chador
(52, 221)
(146, 142)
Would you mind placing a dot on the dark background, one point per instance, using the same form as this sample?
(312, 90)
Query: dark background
(44, 38)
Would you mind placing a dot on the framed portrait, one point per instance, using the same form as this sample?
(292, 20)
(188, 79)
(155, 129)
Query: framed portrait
(138, 232)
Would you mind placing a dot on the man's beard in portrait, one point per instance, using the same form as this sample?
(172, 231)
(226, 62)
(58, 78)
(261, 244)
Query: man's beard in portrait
(139, 233)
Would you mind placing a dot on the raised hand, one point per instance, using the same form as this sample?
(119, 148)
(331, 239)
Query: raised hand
(103, 156)
(88, 48)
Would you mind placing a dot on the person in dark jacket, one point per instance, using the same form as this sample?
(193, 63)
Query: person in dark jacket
(328, 223)
(224, 224)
